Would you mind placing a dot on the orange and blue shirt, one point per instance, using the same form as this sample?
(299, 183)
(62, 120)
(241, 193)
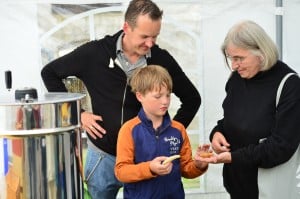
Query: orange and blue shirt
(139, 143)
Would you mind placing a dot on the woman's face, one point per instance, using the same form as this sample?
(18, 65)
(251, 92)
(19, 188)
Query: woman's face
(243, 61)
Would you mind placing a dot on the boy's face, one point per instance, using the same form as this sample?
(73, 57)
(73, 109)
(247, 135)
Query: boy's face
(155, 103)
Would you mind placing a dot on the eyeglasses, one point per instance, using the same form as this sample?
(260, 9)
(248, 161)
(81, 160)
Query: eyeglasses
(236, 59)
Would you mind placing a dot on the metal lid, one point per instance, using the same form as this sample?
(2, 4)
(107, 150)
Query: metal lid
(51, 97)
(50, 113)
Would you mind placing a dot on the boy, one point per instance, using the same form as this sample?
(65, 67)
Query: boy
(147, 140)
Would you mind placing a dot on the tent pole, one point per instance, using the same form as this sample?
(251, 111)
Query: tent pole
(279, 14)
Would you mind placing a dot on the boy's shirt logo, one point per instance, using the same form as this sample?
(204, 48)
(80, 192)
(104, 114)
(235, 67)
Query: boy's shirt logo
(174, 144)
(174, 141)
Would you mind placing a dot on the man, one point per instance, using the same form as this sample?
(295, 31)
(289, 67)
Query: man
(105, 66)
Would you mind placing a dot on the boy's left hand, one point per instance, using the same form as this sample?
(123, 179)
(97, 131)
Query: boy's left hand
(204, 155)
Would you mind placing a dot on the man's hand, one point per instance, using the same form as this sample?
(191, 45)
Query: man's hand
(89, 123)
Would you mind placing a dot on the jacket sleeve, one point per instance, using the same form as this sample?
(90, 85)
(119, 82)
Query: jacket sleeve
(284, 138)
(188, 95)
(217, 128)
(51, 77)
(126, 170)
(183, 88)
(187, 164)
(190, 101)
(71, 64)
(220, 123)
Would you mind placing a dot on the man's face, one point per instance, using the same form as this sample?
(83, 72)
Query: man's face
(142, 37)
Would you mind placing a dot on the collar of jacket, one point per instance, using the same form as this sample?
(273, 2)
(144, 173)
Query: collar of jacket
(148, 123)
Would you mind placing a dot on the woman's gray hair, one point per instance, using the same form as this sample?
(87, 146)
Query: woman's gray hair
(249, 35)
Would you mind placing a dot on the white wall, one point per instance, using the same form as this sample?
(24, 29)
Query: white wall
(291, 32)
(19, 47)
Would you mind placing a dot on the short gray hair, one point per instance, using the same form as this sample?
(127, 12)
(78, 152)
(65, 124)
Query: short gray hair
(250, 36)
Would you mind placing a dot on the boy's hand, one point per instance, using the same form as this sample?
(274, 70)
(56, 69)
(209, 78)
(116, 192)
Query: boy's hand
(158, 168)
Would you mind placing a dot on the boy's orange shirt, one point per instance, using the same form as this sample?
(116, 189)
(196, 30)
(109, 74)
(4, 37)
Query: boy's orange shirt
(127, 171)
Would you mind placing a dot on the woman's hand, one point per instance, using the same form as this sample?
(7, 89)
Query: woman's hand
(219, 143)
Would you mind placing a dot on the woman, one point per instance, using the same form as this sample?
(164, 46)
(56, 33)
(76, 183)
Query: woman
(250, 112)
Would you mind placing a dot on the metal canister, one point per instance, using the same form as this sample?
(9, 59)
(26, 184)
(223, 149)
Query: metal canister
(40, 147)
